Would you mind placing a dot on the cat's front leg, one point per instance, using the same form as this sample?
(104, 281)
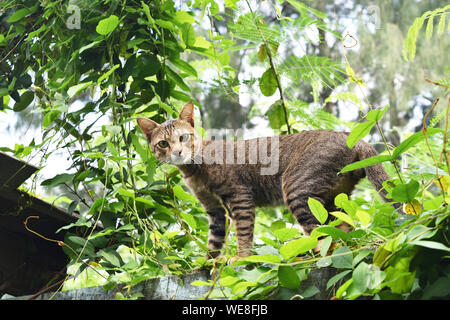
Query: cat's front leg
(242, 210)
(217, 232)
(217, 221)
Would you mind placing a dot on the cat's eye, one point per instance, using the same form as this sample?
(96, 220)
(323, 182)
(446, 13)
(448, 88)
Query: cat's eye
(163, 144)
(184, 137)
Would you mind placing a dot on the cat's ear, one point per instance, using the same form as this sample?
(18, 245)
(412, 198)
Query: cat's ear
(187, 113)
(147, 126)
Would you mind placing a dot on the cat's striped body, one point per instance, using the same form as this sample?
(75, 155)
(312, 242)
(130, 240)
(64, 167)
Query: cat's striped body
(307, 165)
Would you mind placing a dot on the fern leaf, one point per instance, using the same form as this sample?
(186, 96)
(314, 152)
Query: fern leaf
(429, 30)
(409, 45)
(346, 96)
(307, 67)
(441, 25)
(244, 28)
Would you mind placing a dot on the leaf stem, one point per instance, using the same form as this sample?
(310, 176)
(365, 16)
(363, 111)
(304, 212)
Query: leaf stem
(274, 71)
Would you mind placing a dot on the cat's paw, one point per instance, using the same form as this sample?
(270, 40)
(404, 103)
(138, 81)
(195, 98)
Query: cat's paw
(234, 259)
(212, 254)
(241, 255)
(318, 247)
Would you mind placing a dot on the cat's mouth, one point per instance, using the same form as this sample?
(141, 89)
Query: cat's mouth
(180, 159)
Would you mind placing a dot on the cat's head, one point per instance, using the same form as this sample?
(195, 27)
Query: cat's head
(172, 141)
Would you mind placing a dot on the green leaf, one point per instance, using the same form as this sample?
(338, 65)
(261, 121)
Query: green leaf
(50, 117)
(429, 28)
(336, 278)
(324, 262)
(224, 58)
(342, 258)
(241, 286)
(318, 210)
(264, 258)
(364, 217)
(166, 24)
(188, 34)
(184, 66)
(441, 25)
(342, 291)
(342, 201)
(18, 15)
(262, 53)
(344, 217)
(300, 7)
(107, 25)
(359, 132)
(288, 277)
(335, 233)
(183, 195)
(125, 193)
(296, 247)
(367, 277)
(276, 115)
(25, 100)
(189, 219)
(198, 283)
(308, 68)
(111, 148)
(405, 192)
(58, 179)
(268, 83)
(90, 45)
(413, 140)
(326, 243)
(366, 163)
(111, 256)
(420, 232)
(276, 225)
(439, 288)
(183, 17)
(107, 74)
(431, 245)
(77, 88)
(310, 292)
(380, 256)
(228, 281)
(377, 114)
(285, 234)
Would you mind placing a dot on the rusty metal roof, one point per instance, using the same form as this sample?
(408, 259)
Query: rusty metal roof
(27, 262)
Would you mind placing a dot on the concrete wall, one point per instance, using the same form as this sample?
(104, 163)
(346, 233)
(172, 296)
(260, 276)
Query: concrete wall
(173, 288)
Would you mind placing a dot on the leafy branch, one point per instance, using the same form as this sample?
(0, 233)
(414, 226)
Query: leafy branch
(273, 70)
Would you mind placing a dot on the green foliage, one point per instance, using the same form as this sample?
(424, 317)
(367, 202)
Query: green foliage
(409, 45)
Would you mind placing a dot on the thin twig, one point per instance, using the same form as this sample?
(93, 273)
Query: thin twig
(370, 107)
(424, 131)
(274, 71)
(444, 148)
(437, 83)
(59, 242)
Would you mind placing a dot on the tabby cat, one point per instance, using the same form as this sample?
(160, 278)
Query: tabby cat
(306, 166)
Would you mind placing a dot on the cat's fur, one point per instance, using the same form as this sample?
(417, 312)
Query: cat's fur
(308, 165)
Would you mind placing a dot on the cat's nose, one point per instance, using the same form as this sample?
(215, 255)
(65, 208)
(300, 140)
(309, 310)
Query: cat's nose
(176, 153)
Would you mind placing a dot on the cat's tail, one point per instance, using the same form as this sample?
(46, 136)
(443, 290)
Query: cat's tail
(375, 173)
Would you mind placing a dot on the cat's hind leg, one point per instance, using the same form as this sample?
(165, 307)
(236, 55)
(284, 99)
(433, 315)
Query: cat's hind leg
(311, 177)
